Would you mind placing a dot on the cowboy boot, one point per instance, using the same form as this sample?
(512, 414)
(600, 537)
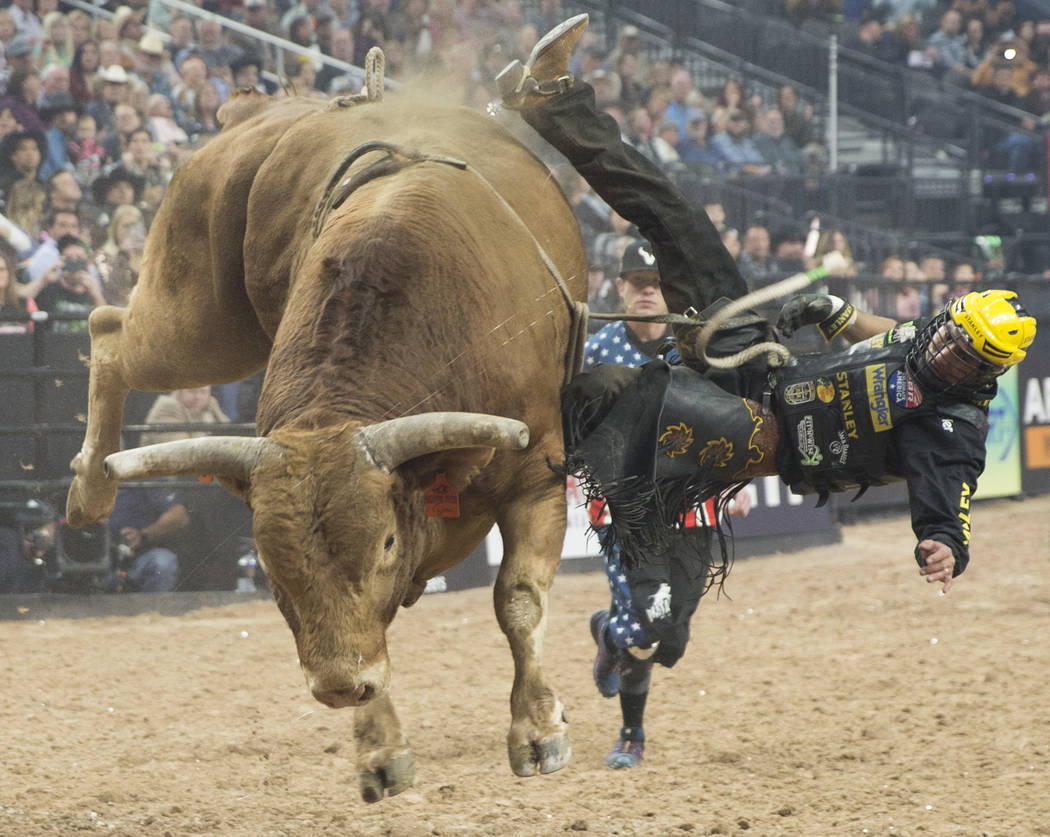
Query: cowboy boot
(546, 72)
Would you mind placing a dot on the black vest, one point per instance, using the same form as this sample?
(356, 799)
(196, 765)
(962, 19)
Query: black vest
(837, 413)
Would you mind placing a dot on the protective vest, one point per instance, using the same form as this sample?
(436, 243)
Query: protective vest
(837, 413)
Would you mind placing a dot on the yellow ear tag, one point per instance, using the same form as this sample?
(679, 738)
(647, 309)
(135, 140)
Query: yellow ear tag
(442, 499)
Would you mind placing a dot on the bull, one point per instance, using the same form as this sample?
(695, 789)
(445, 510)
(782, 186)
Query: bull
(411, 302)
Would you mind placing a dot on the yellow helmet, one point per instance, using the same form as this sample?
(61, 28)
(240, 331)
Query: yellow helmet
(999, 328)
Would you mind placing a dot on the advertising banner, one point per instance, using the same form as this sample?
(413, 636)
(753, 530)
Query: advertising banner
(775, 513)
(775, 510)
(1033, 392)
(1002, 464)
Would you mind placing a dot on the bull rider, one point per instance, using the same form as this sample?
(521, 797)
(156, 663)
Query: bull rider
(906, 401)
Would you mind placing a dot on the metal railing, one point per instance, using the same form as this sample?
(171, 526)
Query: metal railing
(931, 179)
(282, 46)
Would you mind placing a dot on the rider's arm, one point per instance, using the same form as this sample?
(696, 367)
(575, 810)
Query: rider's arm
(941, 456)
(866, 325)
(833, 317)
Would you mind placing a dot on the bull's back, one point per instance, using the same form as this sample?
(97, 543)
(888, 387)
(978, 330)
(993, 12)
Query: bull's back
(443, 281)
(292, 182)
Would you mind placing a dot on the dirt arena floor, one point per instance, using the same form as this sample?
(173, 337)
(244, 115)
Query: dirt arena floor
(834, 694)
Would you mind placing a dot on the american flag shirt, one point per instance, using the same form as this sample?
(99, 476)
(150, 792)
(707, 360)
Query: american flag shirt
(612, 345)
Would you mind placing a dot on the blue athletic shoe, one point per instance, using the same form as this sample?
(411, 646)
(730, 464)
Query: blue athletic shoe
(606, 663)
(625, 754)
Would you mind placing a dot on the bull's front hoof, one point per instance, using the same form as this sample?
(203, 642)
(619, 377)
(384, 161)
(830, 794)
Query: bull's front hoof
(390, 778)
(544, 756)
(89, 500)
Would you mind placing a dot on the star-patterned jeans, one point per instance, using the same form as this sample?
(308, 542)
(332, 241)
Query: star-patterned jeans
(653, 601)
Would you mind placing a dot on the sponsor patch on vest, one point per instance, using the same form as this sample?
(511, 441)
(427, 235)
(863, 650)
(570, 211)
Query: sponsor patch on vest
(846, 403)
(807, 446)
(878, 397)
(800, 393)
(901, 334)
(825, 390)
(904, 391)
(839, 447)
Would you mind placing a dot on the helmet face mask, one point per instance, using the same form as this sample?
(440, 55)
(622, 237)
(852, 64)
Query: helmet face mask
(970, 343)
(950, 357)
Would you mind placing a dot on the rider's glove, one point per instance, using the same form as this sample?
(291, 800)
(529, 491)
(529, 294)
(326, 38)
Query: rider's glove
(830, 314)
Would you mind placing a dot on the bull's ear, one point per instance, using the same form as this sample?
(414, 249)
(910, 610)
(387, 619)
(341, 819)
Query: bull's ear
(459, 466)
(237, 487)
(243, 104)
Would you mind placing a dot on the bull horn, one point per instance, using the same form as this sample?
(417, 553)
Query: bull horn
(222, 456)
(390, 443)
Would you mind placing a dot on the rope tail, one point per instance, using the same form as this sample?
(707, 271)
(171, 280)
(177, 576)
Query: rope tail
(833, 263)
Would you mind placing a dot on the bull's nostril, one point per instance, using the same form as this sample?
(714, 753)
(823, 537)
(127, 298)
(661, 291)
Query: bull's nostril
(347, 696)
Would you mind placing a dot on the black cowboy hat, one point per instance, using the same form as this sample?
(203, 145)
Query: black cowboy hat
(59, 103)
(116, 174)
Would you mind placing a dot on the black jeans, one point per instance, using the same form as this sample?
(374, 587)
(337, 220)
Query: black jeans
(695, 267)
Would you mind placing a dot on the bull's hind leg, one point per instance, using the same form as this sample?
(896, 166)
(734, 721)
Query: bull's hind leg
(384, 758)
(92, 493)
(533, 529)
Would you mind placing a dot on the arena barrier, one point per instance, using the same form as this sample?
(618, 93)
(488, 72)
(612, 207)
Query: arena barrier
(44, 379)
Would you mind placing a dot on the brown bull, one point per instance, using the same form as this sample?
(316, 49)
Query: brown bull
(413, 327)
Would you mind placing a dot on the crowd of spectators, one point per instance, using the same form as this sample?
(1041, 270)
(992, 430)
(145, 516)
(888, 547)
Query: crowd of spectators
(997, 48)
(97, 113)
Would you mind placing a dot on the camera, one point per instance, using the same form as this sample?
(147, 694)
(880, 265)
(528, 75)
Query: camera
(71, 266)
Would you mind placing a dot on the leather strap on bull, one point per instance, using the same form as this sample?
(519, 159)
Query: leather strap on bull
(395, 159)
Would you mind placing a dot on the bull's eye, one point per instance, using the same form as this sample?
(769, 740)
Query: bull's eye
(389, 542)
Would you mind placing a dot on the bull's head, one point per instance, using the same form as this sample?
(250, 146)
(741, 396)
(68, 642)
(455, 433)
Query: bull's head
(340, 524)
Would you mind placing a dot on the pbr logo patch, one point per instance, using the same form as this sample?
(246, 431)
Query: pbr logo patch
(800, 393)
(676, 439)
(659, 603)
(716, 453)
(878, 397)
(807, 445)
(904, 391)
(825, 390)
(901, 334)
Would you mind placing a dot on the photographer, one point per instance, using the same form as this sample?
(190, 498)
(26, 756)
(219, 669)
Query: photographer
(21, 564)
(146, 525)
(69, 287)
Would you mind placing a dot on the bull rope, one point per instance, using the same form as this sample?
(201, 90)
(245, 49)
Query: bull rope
(779, 354)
